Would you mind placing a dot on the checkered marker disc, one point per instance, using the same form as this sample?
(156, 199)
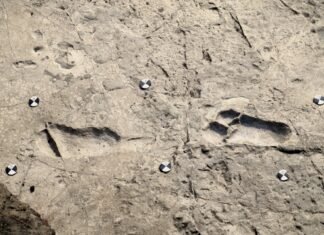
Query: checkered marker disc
(283, 175)
(33, 101)
(11, 169)
(319, 100)
(145, 84)
(165, 167)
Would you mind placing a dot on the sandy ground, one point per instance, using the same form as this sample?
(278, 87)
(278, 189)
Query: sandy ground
(230, 105)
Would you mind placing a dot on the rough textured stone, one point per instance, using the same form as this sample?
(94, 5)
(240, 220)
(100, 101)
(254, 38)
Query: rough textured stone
(231, 103)
(19, 218)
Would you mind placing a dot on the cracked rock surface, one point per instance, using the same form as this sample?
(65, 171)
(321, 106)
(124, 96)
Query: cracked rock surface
(230, 105)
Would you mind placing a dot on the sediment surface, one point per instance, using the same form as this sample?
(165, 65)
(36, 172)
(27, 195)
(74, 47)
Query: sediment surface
(230, 105)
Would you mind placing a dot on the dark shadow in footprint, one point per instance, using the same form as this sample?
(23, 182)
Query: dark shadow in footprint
(277, 128)
(25, 64)
(218, 128)
(230, 114)
(52, 144)
(103, 133)
(235, 121)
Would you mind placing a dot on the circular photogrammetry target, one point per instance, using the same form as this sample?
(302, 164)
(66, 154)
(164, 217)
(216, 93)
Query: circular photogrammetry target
(165, 167)
(318, 99)
(33, 101)
(282, 175)
(145, 84)
(11, 169)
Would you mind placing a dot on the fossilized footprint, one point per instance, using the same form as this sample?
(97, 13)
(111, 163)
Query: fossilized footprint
(235, 127)
(65, 141)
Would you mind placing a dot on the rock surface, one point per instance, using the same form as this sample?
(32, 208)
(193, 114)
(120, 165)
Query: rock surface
(230, 105)
(19, 218)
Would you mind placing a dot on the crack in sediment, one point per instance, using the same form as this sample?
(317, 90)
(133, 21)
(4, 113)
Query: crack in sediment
(184, 47)
(315, 167)
(239, 29)
(192, 189)
(185, 64)
(289, 7)
(160, 67)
